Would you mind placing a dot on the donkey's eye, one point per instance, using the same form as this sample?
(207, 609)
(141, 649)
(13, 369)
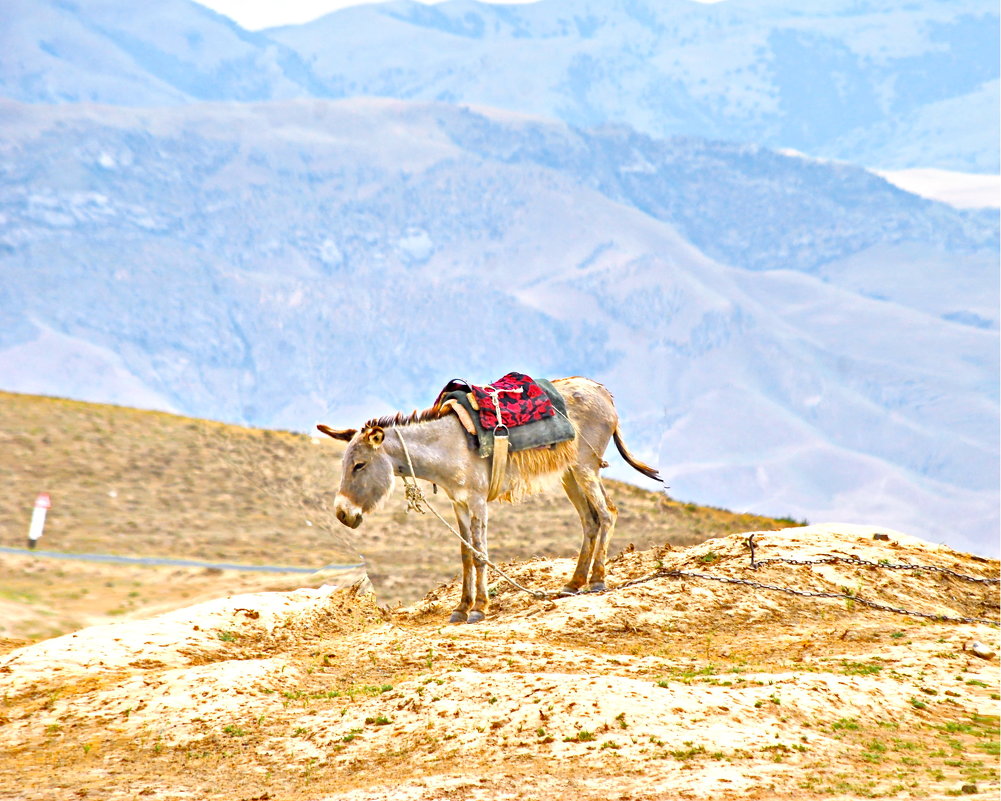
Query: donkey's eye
(358, 467)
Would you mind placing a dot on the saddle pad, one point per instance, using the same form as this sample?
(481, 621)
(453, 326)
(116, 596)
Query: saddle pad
(540, 434)
(520, 399)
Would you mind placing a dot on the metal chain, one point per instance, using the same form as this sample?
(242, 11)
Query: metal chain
(854, 560)
(417, 501)
(806, 594)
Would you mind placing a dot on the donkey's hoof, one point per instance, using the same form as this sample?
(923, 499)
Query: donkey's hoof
(475, 617)
(568, 590)
(457, 617)
(597, 586)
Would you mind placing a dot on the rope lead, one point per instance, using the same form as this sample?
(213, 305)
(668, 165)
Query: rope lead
(416, 500)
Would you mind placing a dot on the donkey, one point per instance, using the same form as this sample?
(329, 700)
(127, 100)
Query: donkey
(433, 444)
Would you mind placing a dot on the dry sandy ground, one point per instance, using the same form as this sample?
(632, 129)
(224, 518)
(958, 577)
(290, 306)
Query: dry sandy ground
(42, 598)
(667, 688)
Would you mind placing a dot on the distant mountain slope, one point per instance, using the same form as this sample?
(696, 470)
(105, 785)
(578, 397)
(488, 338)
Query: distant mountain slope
(895, 84)
(108, 51)
(890, 84)
(283, 263)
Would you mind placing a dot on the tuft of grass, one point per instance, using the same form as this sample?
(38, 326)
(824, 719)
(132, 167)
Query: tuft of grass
(860, 668)
(690, 752)
(368, 689)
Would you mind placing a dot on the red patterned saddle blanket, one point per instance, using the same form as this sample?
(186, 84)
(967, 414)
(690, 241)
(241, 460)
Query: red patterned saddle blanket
(516, 396)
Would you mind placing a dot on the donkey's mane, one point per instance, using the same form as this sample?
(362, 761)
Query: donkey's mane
(401, 419)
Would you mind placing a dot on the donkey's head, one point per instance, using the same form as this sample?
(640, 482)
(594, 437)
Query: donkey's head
(366, 473)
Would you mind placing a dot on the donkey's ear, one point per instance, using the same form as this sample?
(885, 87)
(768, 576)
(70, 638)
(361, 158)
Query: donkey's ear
(374, 436)
(344, 434)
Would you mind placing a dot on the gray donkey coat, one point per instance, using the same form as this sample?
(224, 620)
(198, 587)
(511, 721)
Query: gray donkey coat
(439, 453)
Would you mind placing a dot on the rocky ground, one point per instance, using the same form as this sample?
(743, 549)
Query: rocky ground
(670, 687)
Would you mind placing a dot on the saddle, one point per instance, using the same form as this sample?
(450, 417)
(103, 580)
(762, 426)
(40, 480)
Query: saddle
(514, 413)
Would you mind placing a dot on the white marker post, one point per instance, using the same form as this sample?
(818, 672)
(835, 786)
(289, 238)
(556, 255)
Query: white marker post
(42, 504)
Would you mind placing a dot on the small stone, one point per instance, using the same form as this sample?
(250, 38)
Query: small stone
(881, 537)
(977, 648)
(969, 789)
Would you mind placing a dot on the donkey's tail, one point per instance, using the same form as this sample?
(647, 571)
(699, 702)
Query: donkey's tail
(635, 463)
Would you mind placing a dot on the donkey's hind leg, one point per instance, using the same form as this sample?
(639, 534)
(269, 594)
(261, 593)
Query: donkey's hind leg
(597, 519)
(589, 530)
(607, 515)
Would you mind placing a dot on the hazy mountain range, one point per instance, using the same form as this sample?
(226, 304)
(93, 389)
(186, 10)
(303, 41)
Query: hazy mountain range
(782, 333)
(886, 84)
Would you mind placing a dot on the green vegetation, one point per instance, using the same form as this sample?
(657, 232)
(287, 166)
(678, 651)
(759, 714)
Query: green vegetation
(690, 751)
(860, 668)
(350, 692)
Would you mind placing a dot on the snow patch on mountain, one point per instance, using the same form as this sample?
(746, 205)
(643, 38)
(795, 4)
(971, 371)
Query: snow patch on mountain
(960, 189)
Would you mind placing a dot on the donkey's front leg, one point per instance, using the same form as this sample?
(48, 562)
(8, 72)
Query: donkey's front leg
(478, 526)
(461, 612)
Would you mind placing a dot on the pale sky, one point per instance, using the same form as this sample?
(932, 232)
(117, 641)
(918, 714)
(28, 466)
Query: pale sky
(256, 14)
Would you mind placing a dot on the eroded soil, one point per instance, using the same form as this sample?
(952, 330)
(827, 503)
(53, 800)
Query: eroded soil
(671, 687)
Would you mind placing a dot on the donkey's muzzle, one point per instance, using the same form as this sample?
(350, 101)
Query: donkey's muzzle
(349, 514)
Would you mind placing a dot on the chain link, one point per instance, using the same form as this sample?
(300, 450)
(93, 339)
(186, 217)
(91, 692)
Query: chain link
(854, 560)
(805, 594)
(849, 560)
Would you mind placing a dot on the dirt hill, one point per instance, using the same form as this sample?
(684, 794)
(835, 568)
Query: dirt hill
(664, 687)
(140, 483)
